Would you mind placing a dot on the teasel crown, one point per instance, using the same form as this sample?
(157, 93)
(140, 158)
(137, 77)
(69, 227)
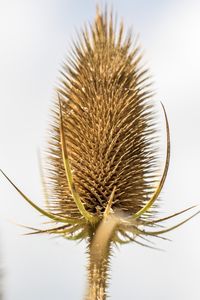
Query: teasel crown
(103, 149)
(102, 175)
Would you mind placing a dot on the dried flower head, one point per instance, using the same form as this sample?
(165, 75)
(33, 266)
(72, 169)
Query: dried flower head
(102, 171)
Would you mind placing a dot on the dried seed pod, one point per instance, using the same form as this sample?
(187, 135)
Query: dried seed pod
(102, 171)
(108, 126)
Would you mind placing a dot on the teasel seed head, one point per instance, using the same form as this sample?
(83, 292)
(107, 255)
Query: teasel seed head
(103, 149)
(102, 172)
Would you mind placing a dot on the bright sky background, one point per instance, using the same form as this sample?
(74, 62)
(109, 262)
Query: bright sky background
(35, 37)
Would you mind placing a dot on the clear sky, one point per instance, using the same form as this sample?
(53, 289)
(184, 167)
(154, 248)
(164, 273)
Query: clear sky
(35, 37)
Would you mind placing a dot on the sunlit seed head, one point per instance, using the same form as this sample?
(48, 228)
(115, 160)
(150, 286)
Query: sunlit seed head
(109, 125)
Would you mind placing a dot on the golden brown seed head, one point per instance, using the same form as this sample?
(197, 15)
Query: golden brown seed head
(103, 153)
(109, 125)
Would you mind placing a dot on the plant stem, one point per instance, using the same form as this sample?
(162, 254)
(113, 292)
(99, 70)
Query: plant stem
(98, 277)
(99, 248)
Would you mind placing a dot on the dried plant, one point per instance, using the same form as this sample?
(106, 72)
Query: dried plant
(102, 172)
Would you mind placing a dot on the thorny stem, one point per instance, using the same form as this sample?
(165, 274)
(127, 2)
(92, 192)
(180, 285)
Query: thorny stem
(99, 249)
(98, 277)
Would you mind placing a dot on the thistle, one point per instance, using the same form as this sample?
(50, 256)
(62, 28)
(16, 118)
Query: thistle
(102, 174)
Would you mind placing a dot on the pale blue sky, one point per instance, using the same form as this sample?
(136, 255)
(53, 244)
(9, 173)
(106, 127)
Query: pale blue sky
(35, 37)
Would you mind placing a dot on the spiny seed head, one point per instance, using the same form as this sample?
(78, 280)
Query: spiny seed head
(102, 164)
(109, 125)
